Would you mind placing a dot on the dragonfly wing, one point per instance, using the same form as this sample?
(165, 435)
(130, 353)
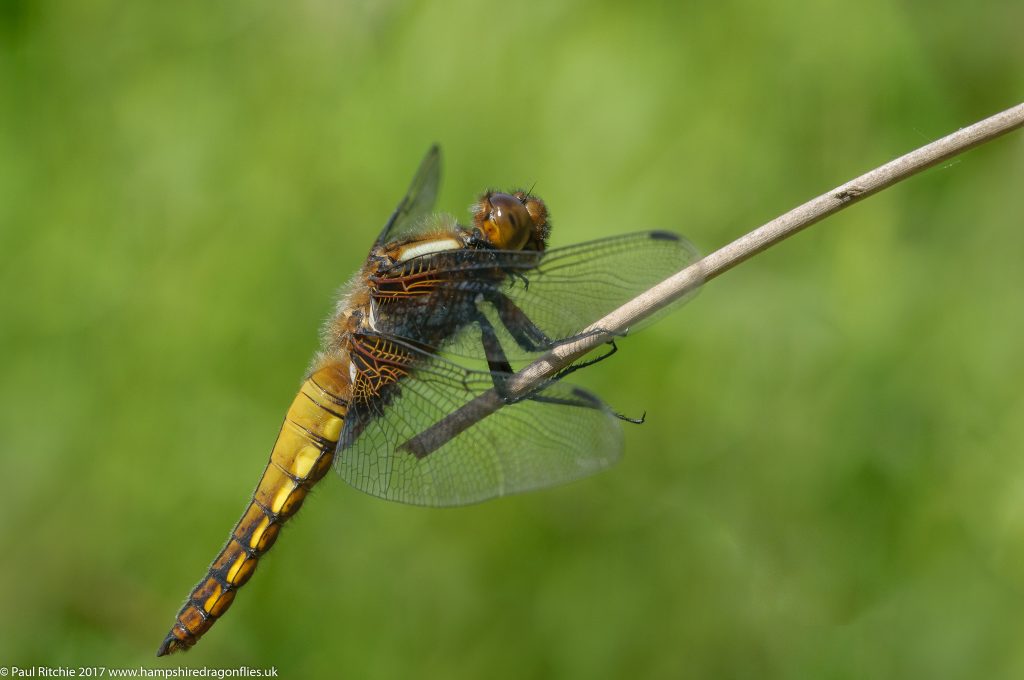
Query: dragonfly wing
(576, 285)
(558, 292)
(418, 201)
(560, 434)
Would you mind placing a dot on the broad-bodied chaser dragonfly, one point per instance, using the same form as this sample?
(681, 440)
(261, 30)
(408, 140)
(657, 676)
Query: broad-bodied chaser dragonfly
(435, 317)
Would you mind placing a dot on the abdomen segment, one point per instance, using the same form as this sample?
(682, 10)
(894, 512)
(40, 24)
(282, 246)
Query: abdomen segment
(301, 456)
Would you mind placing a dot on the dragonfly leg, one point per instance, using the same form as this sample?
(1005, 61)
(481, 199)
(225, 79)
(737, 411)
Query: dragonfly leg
(589, 334)
(497, 361)
(527, 334)
(572, 368)
(531, 338)
(635, 421)
(587, 401)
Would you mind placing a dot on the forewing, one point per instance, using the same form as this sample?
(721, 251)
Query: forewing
(563, 290)
(418, 201)
(560, 434)
(574, 286)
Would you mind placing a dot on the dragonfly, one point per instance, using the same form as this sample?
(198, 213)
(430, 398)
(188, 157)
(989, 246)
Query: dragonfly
(434, 318)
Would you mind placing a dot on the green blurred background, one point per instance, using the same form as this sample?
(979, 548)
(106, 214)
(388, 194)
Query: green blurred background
(830, 482)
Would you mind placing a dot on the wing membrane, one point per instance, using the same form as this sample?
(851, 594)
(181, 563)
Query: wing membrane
(418, 201)
(561, 291)
(405, 390)
(560, 434)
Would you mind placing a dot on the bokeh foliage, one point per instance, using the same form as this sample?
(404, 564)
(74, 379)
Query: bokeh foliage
(830, 482)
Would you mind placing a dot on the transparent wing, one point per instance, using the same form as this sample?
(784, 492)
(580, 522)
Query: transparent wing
(558, 292)
(560, 434)
(418, 201)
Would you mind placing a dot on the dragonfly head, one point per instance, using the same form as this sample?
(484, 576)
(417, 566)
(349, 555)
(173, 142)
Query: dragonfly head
(516, 221)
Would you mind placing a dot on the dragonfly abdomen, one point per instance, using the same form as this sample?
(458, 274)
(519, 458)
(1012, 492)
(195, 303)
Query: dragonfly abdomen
(302, 455)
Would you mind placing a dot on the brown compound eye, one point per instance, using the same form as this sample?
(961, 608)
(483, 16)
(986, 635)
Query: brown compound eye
(504, 221)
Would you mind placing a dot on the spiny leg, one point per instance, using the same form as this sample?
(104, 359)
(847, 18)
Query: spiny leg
(497, 361)
(530, 337)
(572, 368)
(523, 330)
(586, 401)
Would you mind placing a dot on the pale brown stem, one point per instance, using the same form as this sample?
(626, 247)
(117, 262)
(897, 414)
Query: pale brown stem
(716, 263)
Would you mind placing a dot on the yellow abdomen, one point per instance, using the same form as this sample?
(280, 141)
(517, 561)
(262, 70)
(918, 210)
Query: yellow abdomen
(302, 455)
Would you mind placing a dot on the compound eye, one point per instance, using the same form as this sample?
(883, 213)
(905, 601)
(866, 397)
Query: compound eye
(508, 222)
